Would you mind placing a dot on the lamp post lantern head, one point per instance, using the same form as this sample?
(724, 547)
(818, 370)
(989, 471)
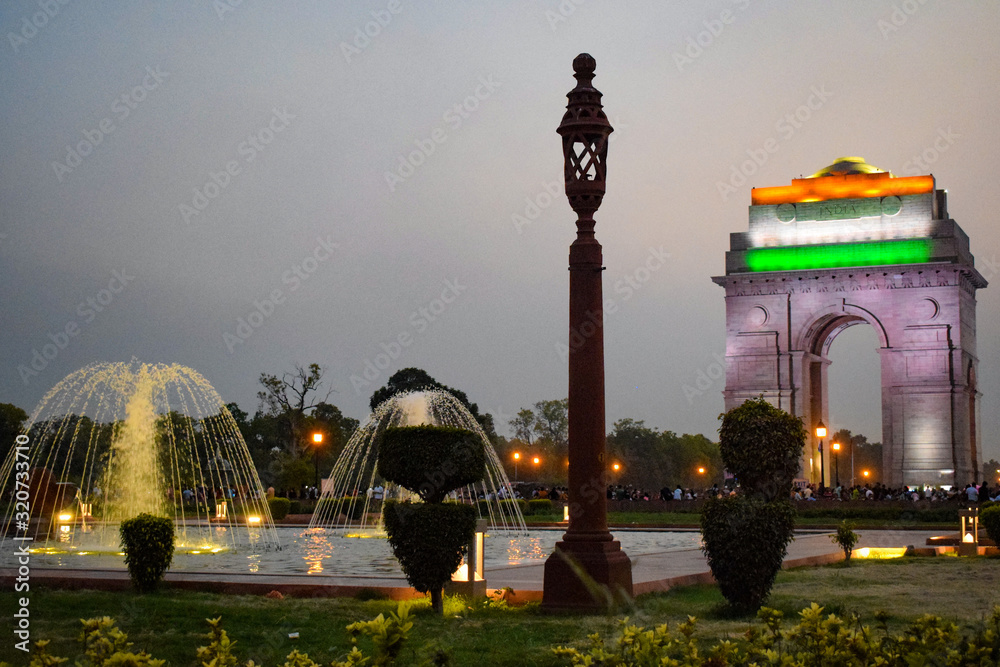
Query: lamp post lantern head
(584, 130)
(317, 438)
(821, 430)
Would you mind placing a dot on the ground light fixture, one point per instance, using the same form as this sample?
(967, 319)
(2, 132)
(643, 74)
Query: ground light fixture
(969, 521)
(470, 577)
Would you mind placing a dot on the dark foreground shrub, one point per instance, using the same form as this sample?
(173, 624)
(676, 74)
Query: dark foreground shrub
(745, 540)
(431, 461)
(990, 520)
(148, 543)
(279, 507)
(429, 541)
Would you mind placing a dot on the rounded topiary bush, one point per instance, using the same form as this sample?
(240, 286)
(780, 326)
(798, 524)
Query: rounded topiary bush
(746, 536)
(430, 538)
(429, 541)
(279, 507)
(148, 543)
(989, 519)
(762, 446)
(431, 461)
(541, 506)
(746, 540)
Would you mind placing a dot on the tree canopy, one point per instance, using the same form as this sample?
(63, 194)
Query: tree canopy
(416, 379)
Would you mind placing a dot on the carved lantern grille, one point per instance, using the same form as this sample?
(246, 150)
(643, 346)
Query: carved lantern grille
(585, 130)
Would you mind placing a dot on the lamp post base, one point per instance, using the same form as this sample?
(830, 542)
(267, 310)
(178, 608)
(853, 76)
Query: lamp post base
(586, 576)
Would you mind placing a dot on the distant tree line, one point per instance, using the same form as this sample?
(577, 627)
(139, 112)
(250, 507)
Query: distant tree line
(295, 405)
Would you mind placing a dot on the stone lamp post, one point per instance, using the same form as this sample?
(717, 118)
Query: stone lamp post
(588, 570)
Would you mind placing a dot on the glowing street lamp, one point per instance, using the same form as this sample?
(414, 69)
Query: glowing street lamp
(317, 441)
(821, 433)
(517, 457)
(836, 461)
(617, 467)
(865, 473)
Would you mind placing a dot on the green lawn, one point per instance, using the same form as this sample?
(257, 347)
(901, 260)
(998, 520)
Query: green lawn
(169, 625)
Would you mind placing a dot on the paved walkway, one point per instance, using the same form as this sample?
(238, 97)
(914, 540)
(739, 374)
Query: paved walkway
(650, 572)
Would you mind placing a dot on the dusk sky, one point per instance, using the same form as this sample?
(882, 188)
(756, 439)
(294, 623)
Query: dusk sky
(171, 169)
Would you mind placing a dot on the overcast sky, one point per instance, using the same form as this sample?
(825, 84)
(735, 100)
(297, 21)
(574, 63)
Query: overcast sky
(170, 169)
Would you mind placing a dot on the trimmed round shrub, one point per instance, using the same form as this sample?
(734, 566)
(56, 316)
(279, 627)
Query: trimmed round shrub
(541, 506)
(429, 541)
(989, 518)
(148, 543)
(431, 461)
(745, 540)
(506, 506)
(762, 446)
(279, 507)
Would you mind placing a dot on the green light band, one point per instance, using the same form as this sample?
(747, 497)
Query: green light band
(792, 258)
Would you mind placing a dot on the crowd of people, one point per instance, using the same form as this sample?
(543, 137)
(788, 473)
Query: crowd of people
(972, 493)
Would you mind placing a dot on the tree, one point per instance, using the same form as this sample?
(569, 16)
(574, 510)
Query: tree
(417, 379)
(639, 450)
(867, 456)
(552, 421)
(290, 397)
(523, 425)
(12, 421)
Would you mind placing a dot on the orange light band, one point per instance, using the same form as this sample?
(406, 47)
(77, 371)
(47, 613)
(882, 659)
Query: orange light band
(847, 186)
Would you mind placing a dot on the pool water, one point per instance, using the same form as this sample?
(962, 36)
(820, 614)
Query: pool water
(321, 551)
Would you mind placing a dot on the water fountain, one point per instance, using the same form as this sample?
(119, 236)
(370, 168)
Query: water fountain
(113, 440)
(351, 499)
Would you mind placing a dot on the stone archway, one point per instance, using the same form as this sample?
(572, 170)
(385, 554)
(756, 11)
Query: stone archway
(853, 246)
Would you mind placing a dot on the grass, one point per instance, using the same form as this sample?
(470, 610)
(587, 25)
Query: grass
(170, 624)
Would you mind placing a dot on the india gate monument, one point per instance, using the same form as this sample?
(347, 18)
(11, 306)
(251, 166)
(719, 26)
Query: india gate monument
(856, 245)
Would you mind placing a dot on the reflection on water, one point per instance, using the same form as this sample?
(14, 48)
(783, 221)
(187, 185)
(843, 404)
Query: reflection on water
(327, 552)
(525, 550)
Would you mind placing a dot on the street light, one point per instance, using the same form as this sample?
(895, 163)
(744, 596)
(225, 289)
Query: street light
(517, 457)
(821, 433)
(865, 473)
(701, 470)
(317, 441)
(617, 467)
(836, 461)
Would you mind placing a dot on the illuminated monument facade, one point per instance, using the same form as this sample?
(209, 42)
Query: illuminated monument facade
(855, 245)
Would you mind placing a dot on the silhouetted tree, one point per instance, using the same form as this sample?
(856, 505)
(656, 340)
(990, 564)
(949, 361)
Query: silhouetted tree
(12, 420)
(289, 398)
(416, 379)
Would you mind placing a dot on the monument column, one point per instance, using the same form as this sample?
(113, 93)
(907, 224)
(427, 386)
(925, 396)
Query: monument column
(588, 570)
